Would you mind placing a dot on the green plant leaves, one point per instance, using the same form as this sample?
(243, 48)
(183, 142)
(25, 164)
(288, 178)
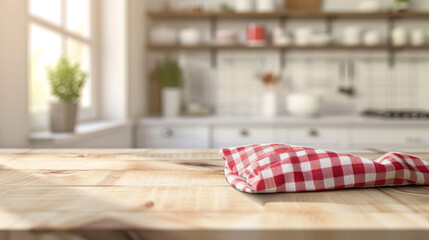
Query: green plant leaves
(67, 80)
(170, 74)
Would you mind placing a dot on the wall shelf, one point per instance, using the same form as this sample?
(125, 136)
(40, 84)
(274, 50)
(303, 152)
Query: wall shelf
(214, 17)
(272, 47)
(284, 14)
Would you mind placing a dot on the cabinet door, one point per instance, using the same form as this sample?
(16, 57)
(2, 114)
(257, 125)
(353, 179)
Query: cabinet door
(237, 136)
(173, 137)
(323, 137)
(390, 138)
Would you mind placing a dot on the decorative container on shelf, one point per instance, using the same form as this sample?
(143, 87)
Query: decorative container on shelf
(171, 81)
(171, 101)
(303, 5)
(271, 84)
(270, 103)
(256, 35)
(265, 6)
(243, 6)
(402, 5)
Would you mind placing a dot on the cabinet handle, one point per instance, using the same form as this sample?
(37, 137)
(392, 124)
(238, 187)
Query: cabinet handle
(167, 133)
(244, 132)
(314, 133)
(418, 140)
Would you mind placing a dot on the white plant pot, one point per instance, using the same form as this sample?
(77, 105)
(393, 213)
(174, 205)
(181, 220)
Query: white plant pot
(63, 117)
(269, 108)
(171, 101)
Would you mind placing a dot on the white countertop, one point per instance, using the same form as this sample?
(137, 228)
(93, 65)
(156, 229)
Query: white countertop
(328, 120)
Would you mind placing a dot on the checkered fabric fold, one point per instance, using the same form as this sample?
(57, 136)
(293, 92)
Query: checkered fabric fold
(272, 168)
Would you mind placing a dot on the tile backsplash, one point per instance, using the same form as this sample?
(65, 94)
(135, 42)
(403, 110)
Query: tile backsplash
(239, 91)
(403, 87)
(233, 88)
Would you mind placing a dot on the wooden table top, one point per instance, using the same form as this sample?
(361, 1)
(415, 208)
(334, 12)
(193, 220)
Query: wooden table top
(181, 190)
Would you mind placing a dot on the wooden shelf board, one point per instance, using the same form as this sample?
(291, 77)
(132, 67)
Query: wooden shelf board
(284, 14)
(272, 47)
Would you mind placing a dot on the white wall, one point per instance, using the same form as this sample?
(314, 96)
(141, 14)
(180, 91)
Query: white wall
(13, 73)
(114, 59)
(137, 52)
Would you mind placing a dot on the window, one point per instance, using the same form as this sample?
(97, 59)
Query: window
(61, 28)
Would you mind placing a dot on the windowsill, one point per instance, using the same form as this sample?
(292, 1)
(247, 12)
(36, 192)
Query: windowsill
(83, 131)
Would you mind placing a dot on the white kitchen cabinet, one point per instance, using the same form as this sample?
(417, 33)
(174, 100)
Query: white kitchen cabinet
(390, 137)
(323, 133)
(229, 136)
(173, 137)
(320, 137)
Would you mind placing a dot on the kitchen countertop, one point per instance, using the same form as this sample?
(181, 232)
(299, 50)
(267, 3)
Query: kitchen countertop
(328, 120)
(140, 194)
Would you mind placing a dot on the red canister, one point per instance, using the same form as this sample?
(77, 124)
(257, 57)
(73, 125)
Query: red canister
(256, 34)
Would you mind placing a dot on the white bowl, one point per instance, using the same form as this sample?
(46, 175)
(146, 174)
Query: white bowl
(303, 105)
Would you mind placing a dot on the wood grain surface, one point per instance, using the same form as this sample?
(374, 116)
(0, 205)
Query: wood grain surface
(182, 194)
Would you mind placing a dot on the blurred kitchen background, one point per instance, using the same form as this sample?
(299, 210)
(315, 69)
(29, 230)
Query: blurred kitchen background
(335, 74)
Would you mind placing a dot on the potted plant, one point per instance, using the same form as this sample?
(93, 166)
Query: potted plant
(67, 81)
(402, 5)
(171, 78)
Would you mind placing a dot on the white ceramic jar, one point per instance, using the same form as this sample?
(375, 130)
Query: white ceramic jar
(418, 37)
(352, 36)
(399, 36)
(265, 6)
(372, 38)
(369, 6)
(243, 6)
(190, 36)
(303, 36)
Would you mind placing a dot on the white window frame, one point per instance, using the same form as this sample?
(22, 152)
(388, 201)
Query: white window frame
(39, 119)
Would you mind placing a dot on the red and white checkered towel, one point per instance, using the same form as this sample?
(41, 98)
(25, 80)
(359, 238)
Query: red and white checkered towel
(286, 168)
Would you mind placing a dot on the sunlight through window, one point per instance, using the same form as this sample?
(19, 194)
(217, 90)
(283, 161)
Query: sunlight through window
(59, 28)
